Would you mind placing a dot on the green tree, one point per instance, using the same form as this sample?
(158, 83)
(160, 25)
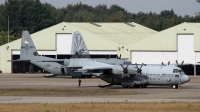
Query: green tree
(4, 37)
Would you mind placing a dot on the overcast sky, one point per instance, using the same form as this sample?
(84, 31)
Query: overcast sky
(180, 7)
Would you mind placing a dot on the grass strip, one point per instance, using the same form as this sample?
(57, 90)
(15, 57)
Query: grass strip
(36, 92)
(104, 107)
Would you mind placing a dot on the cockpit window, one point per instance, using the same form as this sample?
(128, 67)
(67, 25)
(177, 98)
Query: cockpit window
(177, 76)
(175, 71)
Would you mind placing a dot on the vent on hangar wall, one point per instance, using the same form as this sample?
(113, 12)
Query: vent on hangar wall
(95, 24)
(129, 24)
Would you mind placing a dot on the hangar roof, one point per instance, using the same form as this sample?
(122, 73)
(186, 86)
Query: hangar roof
(195, 24)
(98, 36)
(123, 33)
(166, 40)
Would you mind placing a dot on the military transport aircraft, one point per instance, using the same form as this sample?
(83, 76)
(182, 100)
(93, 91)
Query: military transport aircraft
(79, 50)
(126, 74)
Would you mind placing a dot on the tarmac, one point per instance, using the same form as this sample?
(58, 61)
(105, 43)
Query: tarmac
(189, 92)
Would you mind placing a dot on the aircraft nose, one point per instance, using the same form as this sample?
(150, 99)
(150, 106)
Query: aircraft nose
(185, 79)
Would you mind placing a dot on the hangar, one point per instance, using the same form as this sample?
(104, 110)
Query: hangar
(180, 43)
(101, 39)
(136, 42)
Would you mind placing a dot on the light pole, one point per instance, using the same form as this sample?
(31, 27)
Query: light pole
(8, 28)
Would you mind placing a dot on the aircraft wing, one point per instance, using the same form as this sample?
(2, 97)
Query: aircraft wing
(49, 60)
(93, 70)
(72, 67)
(18, 60)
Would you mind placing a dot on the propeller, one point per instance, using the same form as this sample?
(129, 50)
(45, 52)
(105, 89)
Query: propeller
(119, 56)
(125, 72)
(164, 64)
(139, 70)
(107, 56)
(180, 64)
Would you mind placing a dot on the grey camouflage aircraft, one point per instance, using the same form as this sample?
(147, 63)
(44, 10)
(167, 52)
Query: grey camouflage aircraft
(79, 50)
(126, 74)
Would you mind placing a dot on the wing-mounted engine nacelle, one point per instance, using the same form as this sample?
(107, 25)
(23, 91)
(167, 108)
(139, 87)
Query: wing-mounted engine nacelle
(117, 70)
(132, 70)
(124, 71)
(66, 62)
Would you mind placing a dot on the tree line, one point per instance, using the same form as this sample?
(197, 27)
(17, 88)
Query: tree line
(32, 15)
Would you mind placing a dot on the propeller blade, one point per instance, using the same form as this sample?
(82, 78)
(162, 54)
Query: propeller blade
(127, 66)
(182, 62)
(141, 66)
(136, 65)
(120, 56)
(176, 62)
(168, 63)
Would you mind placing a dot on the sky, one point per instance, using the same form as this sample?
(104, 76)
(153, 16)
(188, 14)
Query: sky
(180, 7)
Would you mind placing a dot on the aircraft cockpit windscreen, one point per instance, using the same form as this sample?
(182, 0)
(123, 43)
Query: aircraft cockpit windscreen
(178, 71)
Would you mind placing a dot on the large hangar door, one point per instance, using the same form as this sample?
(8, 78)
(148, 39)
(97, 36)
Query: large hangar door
(186, 52)
(186, 49)
(153, 57)
(64, 43)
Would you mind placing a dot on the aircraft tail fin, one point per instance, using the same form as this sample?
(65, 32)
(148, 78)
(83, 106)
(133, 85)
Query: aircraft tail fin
(79, 48)
(28, 50)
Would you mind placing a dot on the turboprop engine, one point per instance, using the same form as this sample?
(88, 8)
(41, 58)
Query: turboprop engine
(124, 71)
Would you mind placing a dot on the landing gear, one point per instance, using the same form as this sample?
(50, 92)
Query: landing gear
(143, 86)
(137, 86)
